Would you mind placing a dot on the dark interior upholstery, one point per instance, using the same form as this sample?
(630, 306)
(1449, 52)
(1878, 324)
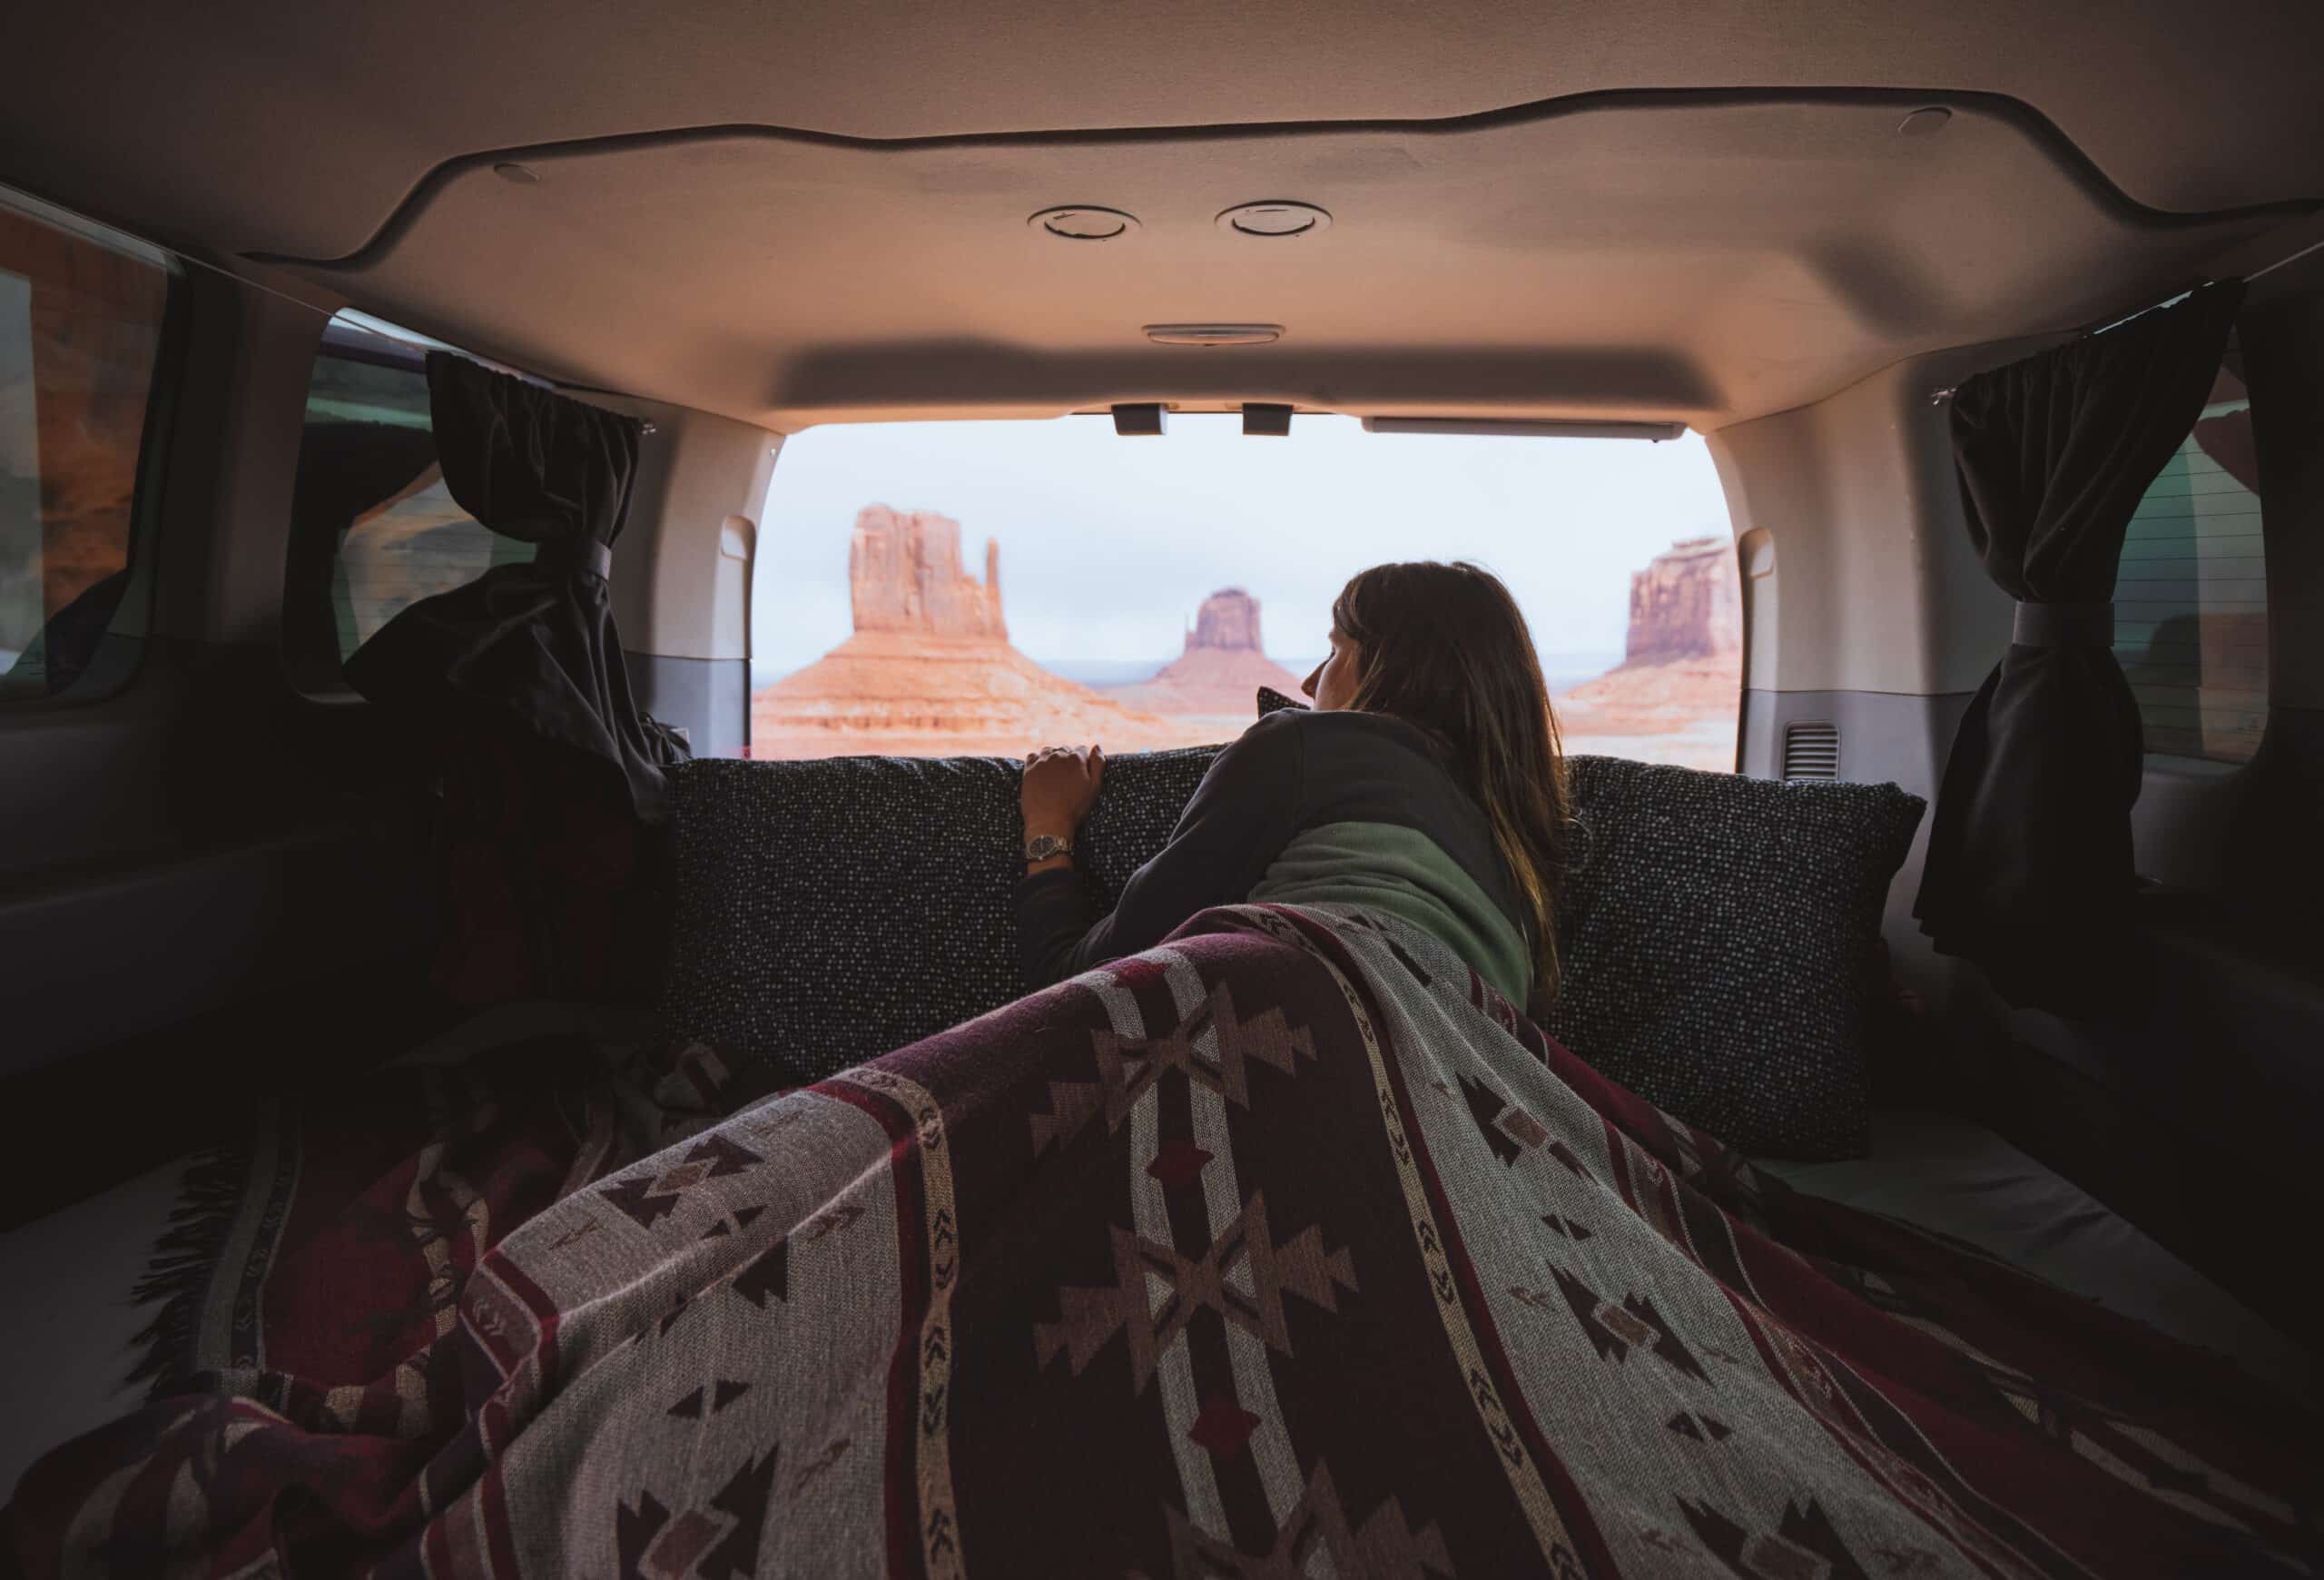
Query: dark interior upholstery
(1722, 954)
(1723, 939)
(827, 911)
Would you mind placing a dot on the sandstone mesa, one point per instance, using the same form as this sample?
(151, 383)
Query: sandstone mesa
(929, 669)
(1221, 668)
(1681, 669)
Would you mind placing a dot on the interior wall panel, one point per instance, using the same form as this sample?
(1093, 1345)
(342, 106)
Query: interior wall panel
(1877, 586)
(695, 471)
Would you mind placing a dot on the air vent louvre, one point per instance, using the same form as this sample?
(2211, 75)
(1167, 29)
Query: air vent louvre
(1811, 751)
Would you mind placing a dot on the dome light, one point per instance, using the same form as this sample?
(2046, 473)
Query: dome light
(1085, 222)
(1275, 220)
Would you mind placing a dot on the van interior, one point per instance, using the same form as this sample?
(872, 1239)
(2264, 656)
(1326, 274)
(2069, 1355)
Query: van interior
(1999, 332)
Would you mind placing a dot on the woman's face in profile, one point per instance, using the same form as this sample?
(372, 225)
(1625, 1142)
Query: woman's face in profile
(1332, 684)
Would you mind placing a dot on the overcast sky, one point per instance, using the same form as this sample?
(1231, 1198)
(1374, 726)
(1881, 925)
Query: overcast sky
(1109, 544)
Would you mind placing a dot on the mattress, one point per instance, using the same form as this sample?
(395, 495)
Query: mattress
(1960, 1179)
(66, 1324)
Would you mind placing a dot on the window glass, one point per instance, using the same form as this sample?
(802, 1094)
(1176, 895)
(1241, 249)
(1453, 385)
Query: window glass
(2190, 612)
(374, 529)
(934, 588)
(81, 318)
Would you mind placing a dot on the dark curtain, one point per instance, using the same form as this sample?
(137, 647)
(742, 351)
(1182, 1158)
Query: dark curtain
(2029, 864)
(548, 777)
(527, 650)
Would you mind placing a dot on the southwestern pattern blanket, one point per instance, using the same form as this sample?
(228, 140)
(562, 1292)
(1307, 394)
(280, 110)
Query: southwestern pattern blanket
(1286, 1248)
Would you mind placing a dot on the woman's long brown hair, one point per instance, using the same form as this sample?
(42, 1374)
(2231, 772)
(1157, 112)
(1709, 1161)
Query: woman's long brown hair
(1444, 648)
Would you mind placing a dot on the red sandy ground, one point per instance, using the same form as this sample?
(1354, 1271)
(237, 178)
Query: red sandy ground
(1211, 680)
(889, 695)
(886, 694)
(1682, 711)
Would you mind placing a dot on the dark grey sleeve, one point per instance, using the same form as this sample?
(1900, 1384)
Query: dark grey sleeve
(1241, 817)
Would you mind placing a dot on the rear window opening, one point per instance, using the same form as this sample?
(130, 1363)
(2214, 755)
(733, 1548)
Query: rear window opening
(943, 589)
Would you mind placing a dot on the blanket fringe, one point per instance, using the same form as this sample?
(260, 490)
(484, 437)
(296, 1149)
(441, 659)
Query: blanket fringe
(183, 1261)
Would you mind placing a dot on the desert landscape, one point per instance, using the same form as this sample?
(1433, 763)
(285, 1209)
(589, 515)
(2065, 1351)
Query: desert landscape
(930, 670)
(1210, 689)
(1674, 698)
(78, 331)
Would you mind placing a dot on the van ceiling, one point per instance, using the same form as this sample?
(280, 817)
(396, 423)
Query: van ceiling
(818, 213)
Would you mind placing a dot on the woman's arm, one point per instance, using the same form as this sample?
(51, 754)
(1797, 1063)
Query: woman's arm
(1240, 818)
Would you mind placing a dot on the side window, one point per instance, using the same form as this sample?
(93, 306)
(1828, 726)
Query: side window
(2191, 610)
(374, 529)
(81, 333)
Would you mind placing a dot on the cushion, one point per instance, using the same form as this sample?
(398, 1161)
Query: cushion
(1721, 940)
(828, 912)
(1721, 934)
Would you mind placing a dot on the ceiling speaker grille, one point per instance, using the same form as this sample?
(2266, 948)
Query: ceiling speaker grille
(1811, 751)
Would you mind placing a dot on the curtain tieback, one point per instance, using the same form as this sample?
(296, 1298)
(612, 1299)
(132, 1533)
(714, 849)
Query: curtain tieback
(2064, 626)
(576, 556)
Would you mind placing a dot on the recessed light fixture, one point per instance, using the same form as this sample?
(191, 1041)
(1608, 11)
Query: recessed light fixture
(1925, 123)
(1085, 222)
(1214, 334)
(522, 175)
(1272, 220)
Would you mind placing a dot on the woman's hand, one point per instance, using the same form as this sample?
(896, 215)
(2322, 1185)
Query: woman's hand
(1059, 783)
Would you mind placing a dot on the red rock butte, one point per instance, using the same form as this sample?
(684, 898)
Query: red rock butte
(1221, 668)
(1681, 670)
(1685, 604)
(904, 574)
(930, 670)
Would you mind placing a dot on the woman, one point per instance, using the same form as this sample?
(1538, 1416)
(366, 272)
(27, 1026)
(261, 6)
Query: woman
(1425, 784)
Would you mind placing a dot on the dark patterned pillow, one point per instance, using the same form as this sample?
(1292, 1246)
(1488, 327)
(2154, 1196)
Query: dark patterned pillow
(1719, 933)
(1721, 940)
(1274, 701)
(828, 912)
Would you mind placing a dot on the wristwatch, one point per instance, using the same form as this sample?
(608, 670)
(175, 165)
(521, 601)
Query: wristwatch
(1041, 847)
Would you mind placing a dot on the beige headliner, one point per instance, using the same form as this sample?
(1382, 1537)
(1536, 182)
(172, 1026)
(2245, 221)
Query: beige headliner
(1651, 255)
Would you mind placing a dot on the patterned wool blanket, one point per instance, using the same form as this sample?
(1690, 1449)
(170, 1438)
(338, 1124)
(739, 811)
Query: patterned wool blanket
(1286, 1248)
